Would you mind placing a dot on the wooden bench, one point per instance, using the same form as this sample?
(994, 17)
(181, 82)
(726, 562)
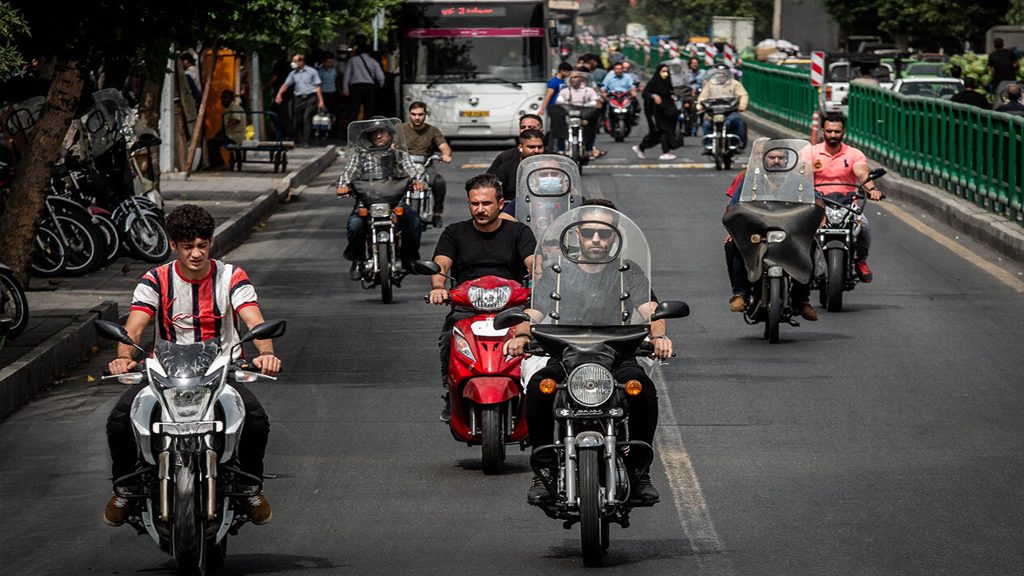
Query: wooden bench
(276, 151)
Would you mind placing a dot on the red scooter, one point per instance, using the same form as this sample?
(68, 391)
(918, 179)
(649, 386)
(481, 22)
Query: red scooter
(488, 406)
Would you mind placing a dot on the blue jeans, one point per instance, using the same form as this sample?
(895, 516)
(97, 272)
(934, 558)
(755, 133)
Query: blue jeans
(734, 124)
(407, 225)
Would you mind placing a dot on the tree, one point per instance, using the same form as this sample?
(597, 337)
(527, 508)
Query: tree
(11, 25)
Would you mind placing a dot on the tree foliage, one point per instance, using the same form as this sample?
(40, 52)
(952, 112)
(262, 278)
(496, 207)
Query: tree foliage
(925, 22)
(673, 18)
(11, 25)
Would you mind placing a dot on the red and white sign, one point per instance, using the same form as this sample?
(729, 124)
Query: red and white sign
(709, 55)
(817, 68)
(475, 33)
(729, 55)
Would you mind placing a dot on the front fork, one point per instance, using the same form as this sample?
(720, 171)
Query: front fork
(609, 455)
(208, 473)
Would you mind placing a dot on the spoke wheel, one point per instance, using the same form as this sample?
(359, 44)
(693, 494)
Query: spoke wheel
(590, 507)
(147, 239)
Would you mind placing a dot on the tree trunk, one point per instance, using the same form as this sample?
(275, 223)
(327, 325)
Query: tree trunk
(197, 130)
(32, 175)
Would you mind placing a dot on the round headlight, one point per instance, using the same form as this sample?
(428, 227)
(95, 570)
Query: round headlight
(591, 385)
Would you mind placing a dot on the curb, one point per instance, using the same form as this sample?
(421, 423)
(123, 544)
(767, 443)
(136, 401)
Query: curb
(24, 378)
(986, 227)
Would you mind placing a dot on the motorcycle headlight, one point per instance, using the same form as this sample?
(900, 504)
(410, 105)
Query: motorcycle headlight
(591, 385)
(835, 215)
(380, 210)
(489, 299)
(719, 117)
(775, 236)
(188, 401)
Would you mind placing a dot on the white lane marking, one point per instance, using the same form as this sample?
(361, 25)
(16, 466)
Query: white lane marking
(995, 271)
(686, 492)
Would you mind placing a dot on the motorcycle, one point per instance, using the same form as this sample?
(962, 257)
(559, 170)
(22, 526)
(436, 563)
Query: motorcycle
(686, 101)
(620, 117)
(488, 407)
(13, 304)
(577, 117)
(187, 424)
(591, 325)
(422, 201)
(720, 144)
(773, 226)
(837, 241)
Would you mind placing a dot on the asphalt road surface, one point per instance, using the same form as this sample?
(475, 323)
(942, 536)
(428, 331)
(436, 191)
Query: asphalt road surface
(883, 440)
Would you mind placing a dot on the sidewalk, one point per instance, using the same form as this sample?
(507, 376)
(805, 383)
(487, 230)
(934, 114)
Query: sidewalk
(61, 311)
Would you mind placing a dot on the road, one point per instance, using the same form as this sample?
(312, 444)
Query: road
(884, 440)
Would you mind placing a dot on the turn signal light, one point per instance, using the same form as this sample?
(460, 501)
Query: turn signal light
(363, 212)
(633, 387)
(547, 386)
(399, 211)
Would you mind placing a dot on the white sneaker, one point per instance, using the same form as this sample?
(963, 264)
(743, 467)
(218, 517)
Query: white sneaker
(639, 152)
(667, 156)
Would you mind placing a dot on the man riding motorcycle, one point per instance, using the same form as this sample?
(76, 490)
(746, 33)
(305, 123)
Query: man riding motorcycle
(505, 167)
(720, 83)
(836, 162)
(375, 157)
(595, 241)
(193, 299)
(486, 244)
(618, 80)
(424, 140)
(579, 92)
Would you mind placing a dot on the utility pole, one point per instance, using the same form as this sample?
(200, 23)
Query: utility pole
(777, 20)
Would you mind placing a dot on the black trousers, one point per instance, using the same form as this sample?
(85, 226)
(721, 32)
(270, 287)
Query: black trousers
(540, 416)
(439, 188)
(303, 109)
(251, 446)
(362, 95)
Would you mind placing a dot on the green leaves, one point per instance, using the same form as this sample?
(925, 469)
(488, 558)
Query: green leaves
(11, 24)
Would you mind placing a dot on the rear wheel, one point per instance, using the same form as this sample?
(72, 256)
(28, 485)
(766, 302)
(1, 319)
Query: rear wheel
(13, 304)
(590, 507)
(384, 264)
(774, 310)
(834, 279)
(492, 439)
(112, 239)
(48, 258)
(83, 243)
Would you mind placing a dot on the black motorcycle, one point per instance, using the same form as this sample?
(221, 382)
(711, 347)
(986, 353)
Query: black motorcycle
(837, 240)
(720, 144)
(773, 226)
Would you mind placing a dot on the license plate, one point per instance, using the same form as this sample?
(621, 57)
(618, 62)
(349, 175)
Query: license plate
(474, 113)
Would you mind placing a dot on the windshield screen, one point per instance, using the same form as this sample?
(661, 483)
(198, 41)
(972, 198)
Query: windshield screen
(448, 43)
(186, 360)
(779, 171)
(592, 268)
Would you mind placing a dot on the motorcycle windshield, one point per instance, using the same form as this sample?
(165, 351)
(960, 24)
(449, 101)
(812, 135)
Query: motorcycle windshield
(547, 186)
(592, 268)
(104, 120)
(776, 217)
(185, 362)
(379, 144)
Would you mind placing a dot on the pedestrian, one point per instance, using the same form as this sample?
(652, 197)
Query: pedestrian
(662, 115)
(1002, 63)
(1013, 104)
(362, 78)
(329, 86)
(556, 122)
(306, 100)
(232, 130)
(970, 95)
(195, 86)
(344, 106)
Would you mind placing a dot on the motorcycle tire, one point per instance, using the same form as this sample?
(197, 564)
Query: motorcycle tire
(384, 264)
(727, 163)
(590, 507)
(147, 239)
(619, 131)
(49, 256)
(188, 530)
(771, 328)
(85, 247)
(111, 237)
(492, 440)
(13, 304)
(834, 280)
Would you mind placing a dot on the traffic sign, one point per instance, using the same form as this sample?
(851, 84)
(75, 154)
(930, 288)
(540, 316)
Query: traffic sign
(817, 68)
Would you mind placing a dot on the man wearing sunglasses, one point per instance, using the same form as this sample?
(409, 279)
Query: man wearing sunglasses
(598, 236)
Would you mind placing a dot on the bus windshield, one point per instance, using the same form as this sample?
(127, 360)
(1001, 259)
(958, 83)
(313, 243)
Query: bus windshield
(486, 42)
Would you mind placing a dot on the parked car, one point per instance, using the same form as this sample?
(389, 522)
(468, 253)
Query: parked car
(928, 86)
(924, 69)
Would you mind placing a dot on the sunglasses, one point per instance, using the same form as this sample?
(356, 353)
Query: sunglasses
(602, 233)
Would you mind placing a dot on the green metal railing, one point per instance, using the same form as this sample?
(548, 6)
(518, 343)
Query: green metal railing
(974, 153)
(780, 94)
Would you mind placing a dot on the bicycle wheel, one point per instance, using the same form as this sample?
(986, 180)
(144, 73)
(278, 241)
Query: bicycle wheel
(13, 304)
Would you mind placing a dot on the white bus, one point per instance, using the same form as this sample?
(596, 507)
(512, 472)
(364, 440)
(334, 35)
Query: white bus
(478, 66)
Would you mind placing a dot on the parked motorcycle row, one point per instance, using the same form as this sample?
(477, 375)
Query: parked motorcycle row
(103, 197)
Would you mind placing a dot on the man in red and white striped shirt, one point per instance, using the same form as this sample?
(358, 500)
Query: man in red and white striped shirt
(193, 299)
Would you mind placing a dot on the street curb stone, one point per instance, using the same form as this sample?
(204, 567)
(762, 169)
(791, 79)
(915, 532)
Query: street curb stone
(988, 228)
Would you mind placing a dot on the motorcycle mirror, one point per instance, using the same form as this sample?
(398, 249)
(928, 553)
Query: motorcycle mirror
(509, 318)
(426, 267)
(552, 26)
(265, 331)
(116, 332)
(876, 174)
(671, 309)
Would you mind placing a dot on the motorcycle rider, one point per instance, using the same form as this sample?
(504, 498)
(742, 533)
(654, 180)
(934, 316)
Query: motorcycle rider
(834, 161)
(720, 83)
(424, 139)
(595, 241)
(799, 293)
(193, 298)
(530, 142)
(579, 93)
(618, 80)
(486, 244)
(526, 122)
(374, 158)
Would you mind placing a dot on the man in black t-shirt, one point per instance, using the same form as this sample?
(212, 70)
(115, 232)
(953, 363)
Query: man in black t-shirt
(1002, 62)
(485, 245)
(530, 142)
(969, 95)
(1013, 105)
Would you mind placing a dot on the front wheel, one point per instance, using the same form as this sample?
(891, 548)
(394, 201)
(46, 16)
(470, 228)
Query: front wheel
(49, 257)
(188, 535)
(590, 507)
(147, 239)
(834, 279)
(771, 330)
(492, 439)
(384, 270)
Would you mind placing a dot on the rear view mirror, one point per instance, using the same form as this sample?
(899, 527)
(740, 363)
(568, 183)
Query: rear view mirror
(426, 267)
(265, 331)
(876, 174)
(670, 309)
(509, 318)
(552, 26)
(116, 332)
